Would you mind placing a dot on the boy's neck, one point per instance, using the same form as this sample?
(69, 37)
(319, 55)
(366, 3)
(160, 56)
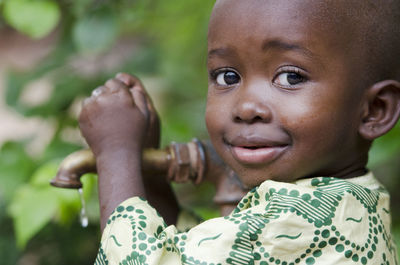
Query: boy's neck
(351, 173)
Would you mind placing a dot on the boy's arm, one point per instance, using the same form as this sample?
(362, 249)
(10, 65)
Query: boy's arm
(118, 121)
(161, 196)
(158, 190)
(119, 179)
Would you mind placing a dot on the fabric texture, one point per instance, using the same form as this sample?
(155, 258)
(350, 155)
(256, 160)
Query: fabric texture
(312, 221)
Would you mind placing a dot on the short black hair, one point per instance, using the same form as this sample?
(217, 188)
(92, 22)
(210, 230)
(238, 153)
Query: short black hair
(378, 33)
(372, 31)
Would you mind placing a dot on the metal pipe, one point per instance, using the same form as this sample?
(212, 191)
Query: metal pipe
(179, 162)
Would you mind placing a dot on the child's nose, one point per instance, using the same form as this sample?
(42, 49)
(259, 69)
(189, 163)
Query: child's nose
(251, 106)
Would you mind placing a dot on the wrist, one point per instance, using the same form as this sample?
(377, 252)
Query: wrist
(120, 164)
(109, 153)
(119, 178)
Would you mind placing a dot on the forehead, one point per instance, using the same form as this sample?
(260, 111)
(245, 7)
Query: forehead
(309, 23)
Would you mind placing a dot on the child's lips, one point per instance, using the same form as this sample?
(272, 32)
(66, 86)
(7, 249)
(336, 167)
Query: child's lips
(257, 151)
(259, 155)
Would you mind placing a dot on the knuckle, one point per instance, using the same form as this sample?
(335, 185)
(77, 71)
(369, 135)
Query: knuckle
(85, 102)
(98, 91)
(122, 75)
(114, 84)
(130, 80)
(126, 78)
(109, 82)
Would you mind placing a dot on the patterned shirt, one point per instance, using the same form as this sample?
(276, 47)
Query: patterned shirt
(311, 221)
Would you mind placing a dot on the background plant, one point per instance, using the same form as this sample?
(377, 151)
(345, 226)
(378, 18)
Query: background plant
(39, 224)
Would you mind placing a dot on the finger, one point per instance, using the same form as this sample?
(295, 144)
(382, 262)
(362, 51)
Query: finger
(85, 102)
(133, 82)
(98, 91)
(130, 80)
(152, 110)
(150, 104)
(146, 101)
(140, 101)
(115, 85)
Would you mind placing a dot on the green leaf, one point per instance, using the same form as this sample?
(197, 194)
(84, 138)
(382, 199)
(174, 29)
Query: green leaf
(35, 18)
(31, 209)
(14, 87)
(15, 168)
(96, 32)
(35, 204)
(78, 8)
(44, 173)
(68, 204)
(59, 149)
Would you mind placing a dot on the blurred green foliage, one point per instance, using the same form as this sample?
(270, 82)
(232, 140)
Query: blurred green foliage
(34, 18)
(39, 224)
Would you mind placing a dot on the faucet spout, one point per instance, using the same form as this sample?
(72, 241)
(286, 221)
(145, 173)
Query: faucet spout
(72, 168)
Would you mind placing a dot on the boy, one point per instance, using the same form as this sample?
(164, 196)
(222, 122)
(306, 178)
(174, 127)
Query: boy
(298, 90)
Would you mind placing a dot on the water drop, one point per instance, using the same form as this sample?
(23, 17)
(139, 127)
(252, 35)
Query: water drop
(83, 216)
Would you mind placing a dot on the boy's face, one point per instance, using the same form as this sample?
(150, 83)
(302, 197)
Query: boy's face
(284, 91)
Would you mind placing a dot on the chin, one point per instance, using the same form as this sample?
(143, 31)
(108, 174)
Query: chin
(250, 179)
(254, 177)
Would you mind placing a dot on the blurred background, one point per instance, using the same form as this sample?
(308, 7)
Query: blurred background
(52, 55)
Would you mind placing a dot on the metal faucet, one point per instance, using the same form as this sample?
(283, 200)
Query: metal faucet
(194, 161)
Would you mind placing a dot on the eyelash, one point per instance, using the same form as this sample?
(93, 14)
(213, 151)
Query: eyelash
(215, 73)
(282, 70)
(290, 69)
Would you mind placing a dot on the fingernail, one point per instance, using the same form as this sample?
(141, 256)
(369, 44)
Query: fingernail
(96, 92)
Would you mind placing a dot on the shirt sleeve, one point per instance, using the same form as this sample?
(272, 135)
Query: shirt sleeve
(136, 234)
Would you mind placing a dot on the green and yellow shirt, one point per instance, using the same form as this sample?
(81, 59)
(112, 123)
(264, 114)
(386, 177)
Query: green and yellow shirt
(312, 221)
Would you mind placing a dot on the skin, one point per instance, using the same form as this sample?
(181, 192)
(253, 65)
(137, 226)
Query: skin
(118, 121)
(295, 91)
(295, 103)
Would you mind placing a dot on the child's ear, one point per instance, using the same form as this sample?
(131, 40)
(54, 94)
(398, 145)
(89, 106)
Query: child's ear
(381, 109)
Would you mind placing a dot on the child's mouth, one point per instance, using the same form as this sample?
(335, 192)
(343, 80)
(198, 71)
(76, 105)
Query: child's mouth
(256, 150)
(257, 154)
(253, 147)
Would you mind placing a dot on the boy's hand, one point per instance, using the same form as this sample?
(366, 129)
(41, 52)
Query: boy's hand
(117, 121)
(152, 139)
(119, 116)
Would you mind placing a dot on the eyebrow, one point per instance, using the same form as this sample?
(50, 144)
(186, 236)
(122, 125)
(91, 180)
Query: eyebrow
(229, 51)
(281, 45)
(221, 52)
(266, 45)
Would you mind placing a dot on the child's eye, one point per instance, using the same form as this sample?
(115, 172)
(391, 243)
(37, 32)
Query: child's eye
(227, 78)
(288, 79)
